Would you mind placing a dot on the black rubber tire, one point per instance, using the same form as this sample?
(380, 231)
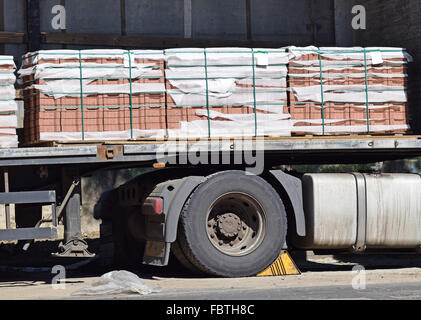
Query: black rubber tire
(193, 238)
(182, 259)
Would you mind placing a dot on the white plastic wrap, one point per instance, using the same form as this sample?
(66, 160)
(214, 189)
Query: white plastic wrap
(32, 58)
(92, 71)
(213, 76)
(351, 53)
(102, 135)
(8, 107)
(255, 78)
(68, 88)
(116, 282)
(9, 141)
(351, 93)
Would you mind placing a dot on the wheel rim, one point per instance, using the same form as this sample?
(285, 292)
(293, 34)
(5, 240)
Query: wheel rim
(236, 224)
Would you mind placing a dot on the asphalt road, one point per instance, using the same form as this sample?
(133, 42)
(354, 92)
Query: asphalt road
(378, 277)
(376, 284)
(405, 291)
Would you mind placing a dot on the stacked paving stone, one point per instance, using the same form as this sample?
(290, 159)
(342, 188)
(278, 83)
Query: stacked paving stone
(213, 92)
(93, 95)
(8, 106)
(226, 92)
(348, 90)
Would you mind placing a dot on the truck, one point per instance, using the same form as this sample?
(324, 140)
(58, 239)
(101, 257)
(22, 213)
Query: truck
(233, 211)
(205, 202)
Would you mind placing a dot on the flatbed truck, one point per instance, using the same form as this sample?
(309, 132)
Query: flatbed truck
(213, 212)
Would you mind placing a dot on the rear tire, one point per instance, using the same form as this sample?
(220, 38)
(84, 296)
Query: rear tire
(233, 225)
(182, 259)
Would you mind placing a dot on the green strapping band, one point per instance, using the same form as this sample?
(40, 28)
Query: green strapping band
(207, 91)
(131, 95)
(81, 93)
(254, 93)
(322, 93)
(366, 91)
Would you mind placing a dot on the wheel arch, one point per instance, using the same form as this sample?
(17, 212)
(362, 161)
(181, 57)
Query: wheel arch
(289, 189)
(183, 189)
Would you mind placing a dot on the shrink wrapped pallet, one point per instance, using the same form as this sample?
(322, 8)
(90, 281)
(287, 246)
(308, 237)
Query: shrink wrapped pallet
(213, 92)
(93, 94)
(8, 106)
(226, 92)
(348, 90)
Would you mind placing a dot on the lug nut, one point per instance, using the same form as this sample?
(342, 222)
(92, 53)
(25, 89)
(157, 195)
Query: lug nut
(231, 243)
(212, 236)
(240, 238)
(220, 242)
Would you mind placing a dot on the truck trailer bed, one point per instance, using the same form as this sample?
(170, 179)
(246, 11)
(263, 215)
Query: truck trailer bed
(289, 150)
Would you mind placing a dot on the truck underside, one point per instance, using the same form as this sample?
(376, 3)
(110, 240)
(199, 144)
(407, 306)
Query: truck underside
(219, 217)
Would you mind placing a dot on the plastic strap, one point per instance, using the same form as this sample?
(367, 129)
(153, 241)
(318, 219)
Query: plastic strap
(254, 93)
(322, 92)
(366, 90)
(81, 94)
(207, 91)
(131, 95)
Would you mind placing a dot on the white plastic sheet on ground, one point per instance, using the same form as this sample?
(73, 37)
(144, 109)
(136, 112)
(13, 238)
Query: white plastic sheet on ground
(117, 282)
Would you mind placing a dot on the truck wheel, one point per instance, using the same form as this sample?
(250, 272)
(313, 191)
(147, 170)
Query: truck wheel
(182, 259)
(233, 225)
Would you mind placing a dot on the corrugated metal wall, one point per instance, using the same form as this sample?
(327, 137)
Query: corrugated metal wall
(283, 21)
(397, 23)
(277, 20)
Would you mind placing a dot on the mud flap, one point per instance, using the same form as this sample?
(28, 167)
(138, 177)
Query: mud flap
(156, 253)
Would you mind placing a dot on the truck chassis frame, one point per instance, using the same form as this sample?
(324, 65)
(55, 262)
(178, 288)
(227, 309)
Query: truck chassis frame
(93, 156)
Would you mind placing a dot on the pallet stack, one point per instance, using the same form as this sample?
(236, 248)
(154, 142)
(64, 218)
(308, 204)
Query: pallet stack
(213, 92)
(348, 90)
(8, 106)
(226, 92)
(93, 95)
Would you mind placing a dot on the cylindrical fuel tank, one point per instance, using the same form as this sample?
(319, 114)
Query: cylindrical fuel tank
(382, 209)
(393, 210)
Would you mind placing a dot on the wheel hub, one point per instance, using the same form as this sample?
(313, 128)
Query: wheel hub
(235, 224)
(229, 224)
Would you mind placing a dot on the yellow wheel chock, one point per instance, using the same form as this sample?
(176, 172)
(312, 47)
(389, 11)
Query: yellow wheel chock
(284, 265)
